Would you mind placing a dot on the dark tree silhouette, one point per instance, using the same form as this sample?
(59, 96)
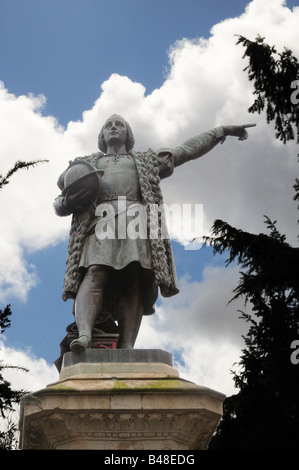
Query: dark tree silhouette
(273, 75)
(9, 397)
(264, 414)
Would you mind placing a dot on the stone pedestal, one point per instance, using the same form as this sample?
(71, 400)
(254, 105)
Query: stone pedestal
(120, 400)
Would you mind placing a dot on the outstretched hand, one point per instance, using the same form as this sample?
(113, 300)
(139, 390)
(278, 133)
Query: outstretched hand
(244, 134)
(238, 131)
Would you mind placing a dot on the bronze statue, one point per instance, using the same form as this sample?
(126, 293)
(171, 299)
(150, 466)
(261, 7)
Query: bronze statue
(113, 275)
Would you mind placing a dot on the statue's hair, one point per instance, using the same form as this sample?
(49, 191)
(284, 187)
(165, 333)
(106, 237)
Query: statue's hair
(130, 141)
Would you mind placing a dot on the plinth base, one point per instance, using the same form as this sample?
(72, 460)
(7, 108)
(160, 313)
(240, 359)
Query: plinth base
(120, 400)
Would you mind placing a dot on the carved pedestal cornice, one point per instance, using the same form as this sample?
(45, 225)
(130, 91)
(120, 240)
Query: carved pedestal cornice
(132, 407)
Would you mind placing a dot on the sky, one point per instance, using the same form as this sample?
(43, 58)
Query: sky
(173, 70)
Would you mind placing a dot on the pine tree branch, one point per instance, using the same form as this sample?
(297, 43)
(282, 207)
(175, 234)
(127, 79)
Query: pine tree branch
(17, 166)
(272, 74)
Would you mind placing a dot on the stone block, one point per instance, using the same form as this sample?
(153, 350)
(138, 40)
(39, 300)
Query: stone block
(123, 405)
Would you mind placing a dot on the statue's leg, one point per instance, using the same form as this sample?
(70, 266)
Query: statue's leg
(131, 315)
(88, 304)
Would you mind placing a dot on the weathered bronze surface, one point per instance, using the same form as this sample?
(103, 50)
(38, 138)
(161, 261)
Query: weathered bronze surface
(119, 275)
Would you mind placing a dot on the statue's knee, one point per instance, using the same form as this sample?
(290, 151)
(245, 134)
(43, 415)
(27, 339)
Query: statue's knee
(98, 274)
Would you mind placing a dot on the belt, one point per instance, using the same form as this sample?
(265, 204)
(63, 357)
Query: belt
(117, 198)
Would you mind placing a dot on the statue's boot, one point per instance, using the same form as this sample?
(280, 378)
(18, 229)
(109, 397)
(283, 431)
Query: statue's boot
(80, 344)
(88, 305)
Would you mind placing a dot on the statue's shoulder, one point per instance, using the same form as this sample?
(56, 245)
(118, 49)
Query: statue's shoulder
(145, 155)
(159, 162)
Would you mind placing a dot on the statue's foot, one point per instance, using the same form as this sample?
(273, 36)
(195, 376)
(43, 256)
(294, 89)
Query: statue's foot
(80, 344)
(125, 346)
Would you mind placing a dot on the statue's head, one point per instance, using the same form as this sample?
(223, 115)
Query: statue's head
(130, 140)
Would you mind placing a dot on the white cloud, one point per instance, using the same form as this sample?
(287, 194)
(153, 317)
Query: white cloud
(201, 328)
(205, 87)
(39, 375)
(237, 182)
(27, 217)
(27, 373)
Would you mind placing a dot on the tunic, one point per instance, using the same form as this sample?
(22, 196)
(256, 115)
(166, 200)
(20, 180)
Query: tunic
(120, 179)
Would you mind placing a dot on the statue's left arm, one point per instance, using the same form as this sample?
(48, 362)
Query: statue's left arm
(197, 146)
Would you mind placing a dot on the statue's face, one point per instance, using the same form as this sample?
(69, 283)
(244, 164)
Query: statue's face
(115, 131)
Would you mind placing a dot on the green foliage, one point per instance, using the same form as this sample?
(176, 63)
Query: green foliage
(4, 318)
(8, 397)
(264, 414)
(264, 259)
(272, 74)
(296, 197)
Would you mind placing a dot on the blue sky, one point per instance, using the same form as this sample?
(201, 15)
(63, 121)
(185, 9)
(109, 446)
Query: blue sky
(172, 66)
(65, 49)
